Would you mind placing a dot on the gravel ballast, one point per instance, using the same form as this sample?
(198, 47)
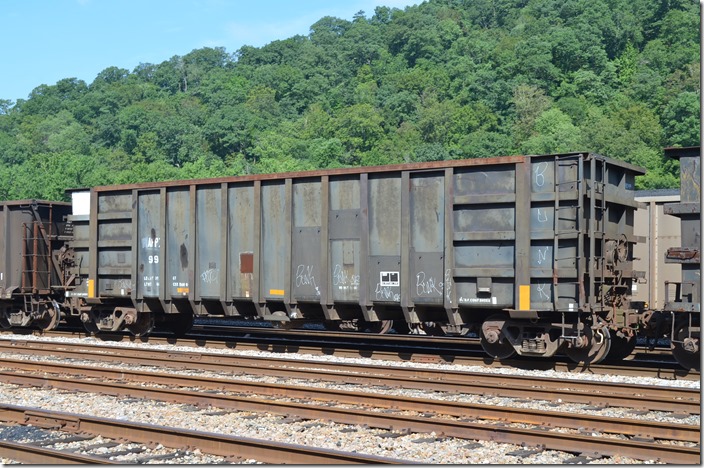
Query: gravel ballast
(424, 448)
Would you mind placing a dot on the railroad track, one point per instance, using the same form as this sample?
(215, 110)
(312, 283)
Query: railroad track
(217, 444)
(643, 439)
(33, 453)
(601, 394)
(53, 446)
(400, 348)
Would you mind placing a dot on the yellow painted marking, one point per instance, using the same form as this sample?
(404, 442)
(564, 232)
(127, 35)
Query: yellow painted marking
(182, 290)
(276, 292)
(524, 297)
(91, 288)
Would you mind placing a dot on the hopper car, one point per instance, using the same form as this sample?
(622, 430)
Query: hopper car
(534, 254)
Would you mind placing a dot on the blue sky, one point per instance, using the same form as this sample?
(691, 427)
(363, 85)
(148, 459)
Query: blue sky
(44, 41)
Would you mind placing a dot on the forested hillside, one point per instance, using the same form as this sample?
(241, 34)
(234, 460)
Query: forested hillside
(447, 79)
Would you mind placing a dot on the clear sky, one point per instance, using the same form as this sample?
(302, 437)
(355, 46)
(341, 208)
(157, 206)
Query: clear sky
(44, 41)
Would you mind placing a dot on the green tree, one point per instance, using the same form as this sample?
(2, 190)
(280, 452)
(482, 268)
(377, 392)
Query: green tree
(443, 79)
(359, 127)
(554, 132)
(682, 120)
(530, 102)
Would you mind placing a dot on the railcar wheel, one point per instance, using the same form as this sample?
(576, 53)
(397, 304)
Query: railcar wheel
(685, 346)
(143, 325)
(492, 338)
(91, 327)
(621, 347)
(596, 347)
(380, 328)
(50, 319)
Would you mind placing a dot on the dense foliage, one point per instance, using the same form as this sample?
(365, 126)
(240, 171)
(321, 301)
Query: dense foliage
(446, 79)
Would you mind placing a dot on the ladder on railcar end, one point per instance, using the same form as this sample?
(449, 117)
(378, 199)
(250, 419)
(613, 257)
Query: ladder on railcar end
(31, 260)
(603, 213)
(581, 261)
(569, 233)
(597, 264)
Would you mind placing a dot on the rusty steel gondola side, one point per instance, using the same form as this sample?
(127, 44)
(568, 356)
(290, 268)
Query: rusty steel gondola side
(431, 247)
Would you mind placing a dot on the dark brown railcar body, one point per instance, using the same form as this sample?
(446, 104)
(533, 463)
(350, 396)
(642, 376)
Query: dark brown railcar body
(31, 281)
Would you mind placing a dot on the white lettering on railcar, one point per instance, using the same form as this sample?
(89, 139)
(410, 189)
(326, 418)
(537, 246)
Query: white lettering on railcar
(427, 285)
(542, 216)
(541, 290)
(542, 255)
(305, 277)
(448, 285)
(478, 300)
(539, 172)
(343, 280)
(151, 242)
(385, 293)
(210, 276)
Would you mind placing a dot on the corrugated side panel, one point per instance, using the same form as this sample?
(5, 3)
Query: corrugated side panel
(114, 256)
(178, 239)
(427, 238)
(210, 242)
(307, 271)
(242, 243)
(555, 232)
(384, 267)
(484, 235)
(344, 232)
(149, 238)
(275, 241)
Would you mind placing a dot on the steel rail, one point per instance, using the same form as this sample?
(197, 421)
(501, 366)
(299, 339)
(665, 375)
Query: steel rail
(674, 399)
(425, 424)
(36, 455)
(215, 444)
(404, 353)
(632, 427)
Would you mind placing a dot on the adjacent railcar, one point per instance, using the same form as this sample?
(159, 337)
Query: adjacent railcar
(32, 253)
(659, 232)
(684, 297)
(534, 253)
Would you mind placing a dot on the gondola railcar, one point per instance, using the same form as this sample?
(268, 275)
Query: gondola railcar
(533, 253)
(683, 303)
